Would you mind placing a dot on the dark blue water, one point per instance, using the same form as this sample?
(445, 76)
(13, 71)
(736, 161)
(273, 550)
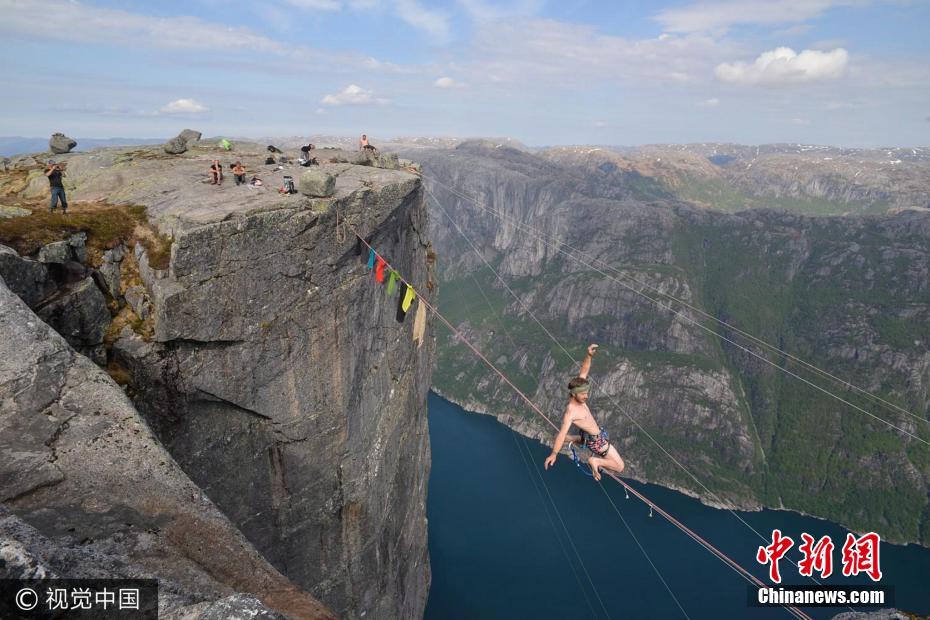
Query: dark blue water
(498, 548)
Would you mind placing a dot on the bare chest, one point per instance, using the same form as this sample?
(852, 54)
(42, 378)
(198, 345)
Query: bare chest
(582, 418)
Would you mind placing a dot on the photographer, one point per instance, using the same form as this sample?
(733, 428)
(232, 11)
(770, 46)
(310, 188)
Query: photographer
(55, 172)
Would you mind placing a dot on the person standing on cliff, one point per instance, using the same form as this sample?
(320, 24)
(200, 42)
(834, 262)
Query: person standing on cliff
(54, 173)
(592, 436)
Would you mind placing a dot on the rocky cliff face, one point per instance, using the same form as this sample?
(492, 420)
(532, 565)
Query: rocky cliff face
(284, 385)
(276, 374)
(851, 295)
(87, 491)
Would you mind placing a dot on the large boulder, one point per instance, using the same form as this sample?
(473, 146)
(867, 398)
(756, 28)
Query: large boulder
(189, 135)
(28, 278)
(316, 184)
(60, 144)
(108, 273)
(56, 252)
(11, 212)
(175, 146)
(73, 249)
(37, 185)
(79, 314)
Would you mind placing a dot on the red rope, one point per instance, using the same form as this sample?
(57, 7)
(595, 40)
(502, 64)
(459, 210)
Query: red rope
(719, 554)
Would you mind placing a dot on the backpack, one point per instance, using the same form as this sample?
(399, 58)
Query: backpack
(289, 185)
(269, 160)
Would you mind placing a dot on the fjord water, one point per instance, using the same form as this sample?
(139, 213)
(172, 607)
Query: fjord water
(498, 548)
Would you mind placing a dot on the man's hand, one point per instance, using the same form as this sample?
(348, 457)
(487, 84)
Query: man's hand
(550, 460)
(592, 349)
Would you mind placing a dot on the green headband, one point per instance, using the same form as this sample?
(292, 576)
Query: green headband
(581, 389)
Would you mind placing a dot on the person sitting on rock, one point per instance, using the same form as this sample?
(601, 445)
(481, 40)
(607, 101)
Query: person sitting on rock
(238, 171)
(216, 172)
(364, 145)
(54, 173)
(592, 436)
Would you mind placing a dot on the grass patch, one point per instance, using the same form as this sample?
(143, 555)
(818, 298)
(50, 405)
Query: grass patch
(106, 226)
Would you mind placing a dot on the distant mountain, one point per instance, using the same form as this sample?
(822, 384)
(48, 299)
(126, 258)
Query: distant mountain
(16, 145)
(816, 180)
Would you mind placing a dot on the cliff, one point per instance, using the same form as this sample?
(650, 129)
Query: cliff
(271, 368)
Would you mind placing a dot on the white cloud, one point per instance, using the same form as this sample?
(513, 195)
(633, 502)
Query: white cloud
(563, 55)
(433, 23)
(711, 16)
(183, 106)
(713, 102)
(784, 66)
(74, 21)
(70, 20)
(354, 95)
(600, 124)
(800, 121)
(446, 82)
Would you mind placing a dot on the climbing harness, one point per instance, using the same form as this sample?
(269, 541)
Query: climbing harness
(587, 440)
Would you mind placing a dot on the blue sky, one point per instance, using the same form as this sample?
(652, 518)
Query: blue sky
(845, 72)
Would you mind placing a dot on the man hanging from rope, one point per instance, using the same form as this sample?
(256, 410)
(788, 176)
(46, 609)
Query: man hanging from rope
(593, 437)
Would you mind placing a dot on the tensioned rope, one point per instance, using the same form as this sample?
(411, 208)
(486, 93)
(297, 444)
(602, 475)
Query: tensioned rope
(704, 327)
(613, 401)
(694, 536)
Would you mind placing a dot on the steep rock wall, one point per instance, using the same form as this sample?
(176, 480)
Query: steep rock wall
(87, 491)
(283, 385)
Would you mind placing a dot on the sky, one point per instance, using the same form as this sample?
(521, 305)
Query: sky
(544, 72)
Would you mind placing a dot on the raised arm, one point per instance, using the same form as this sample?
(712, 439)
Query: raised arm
(586, 364)
(560, 438)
